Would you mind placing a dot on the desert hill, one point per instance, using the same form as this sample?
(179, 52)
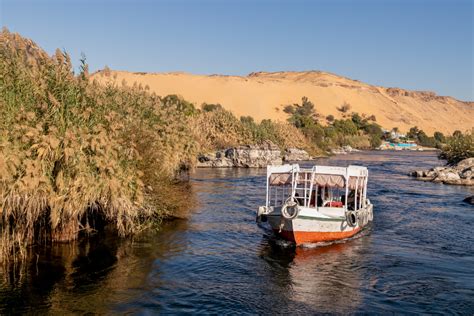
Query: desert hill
(263, 95)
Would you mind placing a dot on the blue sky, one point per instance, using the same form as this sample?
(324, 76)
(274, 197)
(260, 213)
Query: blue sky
(413, 44)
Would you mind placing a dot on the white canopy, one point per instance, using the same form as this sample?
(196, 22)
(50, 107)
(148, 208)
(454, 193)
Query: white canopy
(328, 176)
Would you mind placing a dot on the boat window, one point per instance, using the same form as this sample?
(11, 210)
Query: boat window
(331, 197)
(278, 194)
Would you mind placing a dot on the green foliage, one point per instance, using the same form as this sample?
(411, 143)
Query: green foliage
(305, 109)
(375, 134)
(357, 131)
(413, 133)
(290, 109)
(439, 137)
(219, 129)
(420, 137)
(211, 107)
(344, 108)
(358, 120)
(458, 147)
(372, 118)
(346, 127)
(247, 120)
(179, 104)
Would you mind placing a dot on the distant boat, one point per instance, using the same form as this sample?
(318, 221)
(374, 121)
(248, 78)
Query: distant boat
(320, 204)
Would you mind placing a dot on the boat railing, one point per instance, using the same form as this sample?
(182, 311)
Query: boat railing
(301, 185)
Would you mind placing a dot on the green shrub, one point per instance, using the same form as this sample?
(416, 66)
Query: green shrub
(458, 147)
(211, 107)
(439, 137)
(345, 127)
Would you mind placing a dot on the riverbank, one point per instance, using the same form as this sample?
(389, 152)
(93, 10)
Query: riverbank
(251, 156)
(69, 165)
(259, 156)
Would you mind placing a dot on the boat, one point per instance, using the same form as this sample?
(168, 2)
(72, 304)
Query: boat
(318, 204)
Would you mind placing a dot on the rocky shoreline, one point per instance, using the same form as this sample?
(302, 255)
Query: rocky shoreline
(259, 156)
(460, 174)
(251, 156)
(344, 150)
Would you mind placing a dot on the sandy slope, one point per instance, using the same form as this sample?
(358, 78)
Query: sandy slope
(263, 95)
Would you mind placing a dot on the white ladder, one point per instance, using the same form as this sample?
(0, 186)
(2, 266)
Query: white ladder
(303, 186)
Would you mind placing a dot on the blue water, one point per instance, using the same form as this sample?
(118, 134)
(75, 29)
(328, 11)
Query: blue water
(417, 257)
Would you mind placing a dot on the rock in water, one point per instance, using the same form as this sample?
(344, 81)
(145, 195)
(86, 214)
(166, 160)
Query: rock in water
(344, 150)
(295, 154)
(469, 199)
(251, 156)
(254, 156)
(461, 174)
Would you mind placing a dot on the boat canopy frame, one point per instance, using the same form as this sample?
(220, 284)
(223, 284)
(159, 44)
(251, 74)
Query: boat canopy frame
(292, 178)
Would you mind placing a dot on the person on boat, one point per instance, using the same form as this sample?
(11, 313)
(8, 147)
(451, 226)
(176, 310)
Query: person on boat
(320, 200)
(312, 203)
(299, 199)
(350, 200)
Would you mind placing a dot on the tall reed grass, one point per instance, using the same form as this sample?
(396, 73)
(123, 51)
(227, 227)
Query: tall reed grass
(219, 129)
(75, 154)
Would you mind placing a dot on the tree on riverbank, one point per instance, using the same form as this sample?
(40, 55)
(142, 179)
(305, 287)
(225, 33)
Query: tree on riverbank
(356, 131)
(217, 128)
(458, 147)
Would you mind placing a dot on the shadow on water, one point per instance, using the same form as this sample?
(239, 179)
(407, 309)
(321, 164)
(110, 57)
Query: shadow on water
(84, 276)
(417, 257)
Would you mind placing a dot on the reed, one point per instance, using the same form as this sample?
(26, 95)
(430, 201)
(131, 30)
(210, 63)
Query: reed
(218, 128)
(75, 154)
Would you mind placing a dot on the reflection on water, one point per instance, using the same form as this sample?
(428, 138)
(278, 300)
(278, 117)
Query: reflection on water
(416, 257)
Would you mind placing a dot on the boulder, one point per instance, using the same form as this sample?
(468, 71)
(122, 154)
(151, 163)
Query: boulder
(295, 154)
(251, 156)
(349, 149)
(460, 174)
(469, 199)
(344, 150)
(338, 151)
(438, 169)
(430, 173)
(417, 173)
(448, 176)
(214, 160)
(467, 173)
(464, 164)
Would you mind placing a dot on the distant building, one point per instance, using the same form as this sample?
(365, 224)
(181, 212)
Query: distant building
(409, 145)
(396, 135)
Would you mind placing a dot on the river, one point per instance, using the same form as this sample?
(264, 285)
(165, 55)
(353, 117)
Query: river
(417, 256)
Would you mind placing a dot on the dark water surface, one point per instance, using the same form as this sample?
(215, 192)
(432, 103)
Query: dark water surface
(418, 256)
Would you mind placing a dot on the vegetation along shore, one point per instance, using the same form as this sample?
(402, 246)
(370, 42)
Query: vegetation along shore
(78, 155)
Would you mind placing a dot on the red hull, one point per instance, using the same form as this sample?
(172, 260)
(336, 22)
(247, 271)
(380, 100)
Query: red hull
(313, 237)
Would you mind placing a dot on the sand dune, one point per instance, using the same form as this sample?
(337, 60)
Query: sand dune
(263, 95)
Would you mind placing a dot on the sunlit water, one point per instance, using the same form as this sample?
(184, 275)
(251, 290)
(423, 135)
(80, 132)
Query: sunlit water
(418, 256)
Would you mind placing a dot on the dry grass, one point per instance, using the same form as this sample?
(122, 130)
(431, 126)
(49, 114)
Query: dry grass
(73, 151)
(219, 128)
(76, 155)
